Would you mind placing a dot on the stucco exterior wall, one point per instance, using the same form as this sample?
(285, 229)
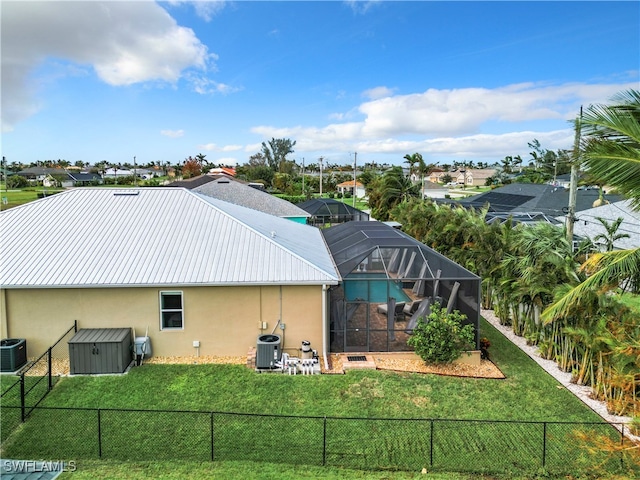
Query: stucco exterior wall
(225, 320)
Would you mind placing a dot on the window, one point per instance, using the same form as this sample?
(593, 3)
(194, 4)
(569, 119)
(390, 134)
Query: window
(171, 314)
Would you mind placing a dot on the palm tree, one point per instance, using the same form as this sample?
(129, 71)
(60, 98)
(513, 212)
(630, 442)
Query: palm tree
(611, 235)
(611, 153)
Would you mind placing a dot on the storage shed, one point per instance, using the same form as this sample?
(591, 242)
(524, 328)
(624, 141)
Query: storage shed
(100, 350)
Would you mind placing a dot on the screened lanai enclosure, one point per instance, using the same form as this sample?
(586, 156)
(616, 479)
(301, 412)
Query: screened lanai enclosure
(327, 211)
(389, 280)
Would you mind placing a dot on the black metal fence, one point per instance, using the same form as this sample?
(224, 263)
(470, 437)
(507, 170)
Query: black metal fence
(33, 382)
(473, 446)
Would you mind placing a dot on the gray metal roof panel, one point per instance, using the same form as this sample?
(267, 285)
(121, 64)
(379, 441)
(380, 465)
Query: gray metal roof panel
(159, 236)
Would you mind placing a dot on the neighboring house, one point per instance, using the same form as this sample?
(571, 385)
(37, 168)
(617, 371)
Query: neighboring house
(534, 198)
(82, 179)
(229, 171)
(434, 190)
(117, 172)
(436, 175)
(472, 177)
(348, 187)
(587, 224)
(235, 191)
(40, 174)
(52, 177)
(184, 266)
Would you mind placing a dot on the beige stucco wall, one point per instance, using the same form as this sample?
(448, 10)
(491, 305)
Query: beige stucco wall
(225, 320)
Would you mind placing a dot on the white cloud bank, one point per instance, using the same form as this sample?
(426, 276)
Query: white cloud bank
(460, 123)
(123, 42)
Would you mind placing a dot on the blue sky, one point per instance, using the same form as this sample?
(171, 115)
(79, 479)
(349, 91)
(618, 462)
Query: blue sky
(161, 81)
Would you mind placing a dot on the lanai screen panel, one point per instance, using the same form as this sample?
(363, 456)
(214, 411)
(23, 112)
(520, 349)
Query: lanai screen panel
(386, 276)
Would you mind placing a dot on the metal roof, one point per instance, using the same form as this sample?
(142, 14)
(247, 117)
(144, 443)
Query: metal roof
(98, 237)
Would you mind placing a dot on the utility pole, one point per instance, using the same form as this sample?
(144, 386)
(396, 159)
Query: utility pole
(355, 160)
(303, 176)
(135, 173)
(575, 164)
(320, 160)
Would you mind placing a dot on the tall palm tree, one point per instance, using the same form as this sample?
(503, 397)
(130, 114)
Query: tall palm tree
(611, 234)
(611, 153)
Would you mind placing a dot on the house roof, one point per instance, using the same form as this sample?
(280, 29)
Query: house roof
(534, 197)
(225, 188)
(88, 237)
(349, 183)
(587, 225)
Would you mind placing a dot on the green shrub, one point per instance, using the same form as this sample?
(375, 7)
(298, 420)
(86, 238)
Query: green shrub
(442, 338)
(16, 181)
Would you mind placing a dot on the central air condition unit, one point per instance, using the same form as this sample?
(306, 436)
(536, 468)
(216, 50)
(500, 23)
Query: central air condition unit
(268, 351)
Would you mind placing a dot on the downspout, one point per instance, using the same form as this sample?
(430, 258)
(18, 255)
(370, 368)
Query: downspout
(324, 327)
(4, 314)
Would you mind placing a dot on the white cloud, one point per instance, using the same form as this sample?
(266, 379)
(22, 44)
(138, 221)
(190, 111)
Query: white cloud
(172, 133)
(124, 43)
(378, 92)
(361, 6)
(212, 147)
(226, 161)
(472, 123)
(206, 86)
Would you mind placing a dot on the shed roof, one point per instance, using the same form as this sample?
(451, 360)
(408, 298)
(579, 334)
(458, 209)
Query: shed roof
(91, 237)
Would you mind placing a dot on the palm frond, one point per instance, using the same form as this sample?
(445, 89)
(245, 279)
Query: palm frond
(611, 268)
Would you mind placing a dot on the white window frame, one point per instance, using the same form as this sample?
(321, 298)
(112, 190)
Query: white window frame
(168, 310)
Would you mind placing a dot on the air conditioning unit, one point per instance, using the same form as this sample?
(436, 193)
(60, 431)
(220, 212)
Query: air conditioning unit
(13, 354)
(268, 350)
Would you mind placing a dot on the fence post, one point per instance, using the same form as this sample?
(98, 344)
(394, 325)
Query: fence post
(622, 447)
(22, 400)
(431, 443)
(212, 443)
(324, 441)
(544, 444)
(99, 435)
(49, 368)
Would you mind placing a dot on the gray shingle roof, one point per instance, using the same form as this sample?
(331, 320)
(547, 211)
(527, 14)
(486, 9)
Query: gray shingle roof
(154, 237)
(230, 190)
(587, 225)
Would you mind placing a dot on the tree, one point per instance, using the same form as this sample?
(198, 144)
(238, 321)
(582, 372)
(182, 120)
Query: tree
(389, 190)
(275, 152)
(611, 153)
(609, 238)
(191, 168)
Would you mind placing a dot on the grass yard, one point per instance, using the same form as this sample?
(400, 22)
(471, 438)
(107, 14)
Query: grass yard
(22, 196)
(345, 439)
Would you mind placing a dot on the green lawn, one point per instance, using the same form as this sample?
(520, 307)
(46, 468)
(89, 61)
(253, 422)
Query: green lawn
(25, 195)
(288, 425)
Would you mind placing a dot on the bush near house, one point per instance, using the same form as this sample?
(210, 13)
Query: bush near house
(441, 337)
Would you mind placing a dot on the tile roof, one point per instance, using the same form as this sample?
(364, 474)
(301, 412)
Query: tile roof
(97, 237)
